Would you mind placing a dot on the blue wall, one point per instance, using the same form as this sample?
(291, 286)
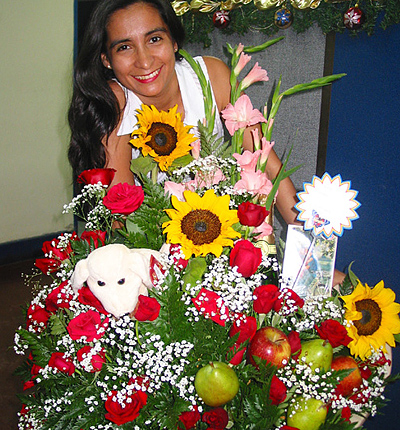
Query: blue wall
(364, 147)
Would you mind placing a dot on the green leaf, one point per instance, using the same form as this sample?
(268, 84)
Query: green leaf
(141, 165)
(194, 270)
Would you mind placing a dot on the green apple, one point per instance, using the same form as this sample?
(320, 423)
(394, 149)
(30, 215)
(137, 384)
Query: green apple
(216, 383)
(317, 353)
(306, 414)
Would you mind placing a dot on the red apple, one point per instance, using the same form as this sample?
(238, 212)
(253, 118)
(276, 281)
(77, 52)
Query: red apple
(270, 344)
(350, 382)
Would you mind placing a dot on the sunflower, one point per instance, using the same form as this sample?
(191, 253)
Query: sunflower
(162, 135)
(202, 225)
(373, 318)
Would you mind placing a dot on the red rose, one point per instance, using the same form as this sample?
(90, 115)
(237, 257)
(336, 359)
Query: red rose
(147, 308)
(334, 332)
(217, 418)
(346, 413)
(178, 257)
(295, 344)
(58, 298)
(86, 297)
(129, 411)
(278, 391)
(288, 428)
(212, 306)
(246, 327)
(94, 176)
(87, 324)
(37, 316)
(189, 419)
(365, 371)
(96, 360)
(124, 198)
(265, 297)
(95, 237)
(246, 257)
(54, 255)
(251, 214)
(289, 299)
(61, 363)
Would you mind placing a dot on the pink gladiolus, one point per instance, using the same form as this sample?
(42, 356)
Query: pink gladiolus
(195, 149)
(248, 160)
(241, 115)
(174, 189)
(243, 60)
(254, 182)
(264, 229)
(201, 181)
(256, 74)
(239, 49)
(265, 146)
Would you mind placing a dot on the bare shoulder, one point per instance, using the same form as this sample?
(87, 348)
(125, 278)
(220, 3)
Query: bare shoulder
(219, 74)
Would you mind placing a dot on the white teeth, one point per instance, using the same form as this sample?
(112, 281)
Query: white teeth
(151, 75)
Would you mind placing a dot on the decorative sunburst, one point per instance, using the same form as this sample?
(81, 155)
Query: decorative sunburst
(327, 205)
(162, 135)
(202, 225)
(373, 318)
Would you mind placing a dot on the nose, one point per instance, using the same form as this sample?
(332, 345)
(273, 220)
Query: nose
(143, 58)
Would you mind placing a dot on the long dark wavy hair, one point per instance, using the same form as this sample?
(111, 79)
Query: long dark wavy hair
(94, 112)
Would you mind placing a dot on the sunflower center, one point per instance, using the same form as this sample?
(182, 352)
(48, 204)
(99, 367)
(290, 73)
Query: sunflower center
(371, 317)
(163, 138)
(201, 226)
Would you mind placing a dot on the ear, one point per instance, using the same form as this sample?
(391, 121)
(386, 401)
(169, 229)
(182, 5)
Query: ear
(80, 275)
(175, 47)
(140, 265)
(105, 61)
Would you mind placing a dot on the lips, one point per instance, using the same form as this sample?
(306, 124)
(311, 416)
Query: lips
(148, 78)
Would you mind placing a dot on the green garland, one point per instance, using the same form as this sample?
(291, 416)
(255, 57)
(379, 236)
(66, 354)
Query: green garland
(329, 17)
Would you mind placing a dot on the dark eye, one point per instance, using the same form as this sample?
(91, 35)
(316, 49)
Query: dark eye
(101, 283)
(122, 48)
(121, 281)
(155, 39)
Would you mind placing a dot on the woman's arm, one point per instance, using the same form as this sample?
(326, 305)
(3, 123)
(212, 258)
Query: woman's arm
(118, 149)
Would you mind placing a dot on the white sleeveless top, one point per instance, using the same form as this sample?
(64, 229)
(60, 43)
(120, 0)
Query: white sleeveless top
(192, 98)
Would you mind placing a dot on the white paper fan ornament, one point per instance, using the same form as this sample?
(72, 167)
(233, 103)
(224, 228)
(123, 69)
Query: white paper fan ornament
(327, 205)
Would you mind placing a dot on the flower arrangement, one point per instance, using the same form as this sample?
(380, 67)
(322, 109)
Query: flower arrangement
(167, 311)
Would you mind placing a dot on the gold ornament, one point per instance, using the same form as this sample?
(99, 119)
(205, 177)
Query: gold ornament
(180, 7)
(267, 4)
(305, 4)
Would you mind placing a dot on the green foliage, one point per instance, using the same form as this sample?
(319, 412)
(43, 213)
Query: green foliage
(328, 16)
(144, 226)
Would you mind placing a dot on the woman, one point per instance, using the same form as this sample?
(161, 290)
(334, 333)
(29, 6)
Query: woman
(130, 56)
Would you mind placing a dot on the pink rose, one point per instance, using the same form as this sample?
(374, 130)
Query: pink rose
(246, 257)
(147, 308)
(124, 198)
(94, 176)
(63, 364)
(87, 324)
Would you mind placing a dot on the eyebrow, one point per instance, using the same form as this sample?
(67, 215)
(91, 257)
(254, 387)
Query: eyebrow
(149, 33)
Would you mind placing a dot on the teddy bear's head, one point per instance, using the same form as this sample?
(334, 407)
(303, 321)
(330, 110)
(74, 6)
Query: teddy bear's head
(116, 275)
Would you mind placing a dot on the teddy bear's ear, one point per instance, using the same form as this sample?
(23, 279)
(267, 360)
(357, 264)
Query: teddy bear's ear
(140, 264)
(80, 275)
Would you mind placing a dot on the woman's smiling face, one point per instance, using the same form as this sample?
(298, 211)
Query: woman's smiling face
(141, 52)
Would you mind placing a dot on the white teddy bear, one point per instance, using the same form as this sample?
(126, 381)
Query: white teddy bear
(116, 275)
